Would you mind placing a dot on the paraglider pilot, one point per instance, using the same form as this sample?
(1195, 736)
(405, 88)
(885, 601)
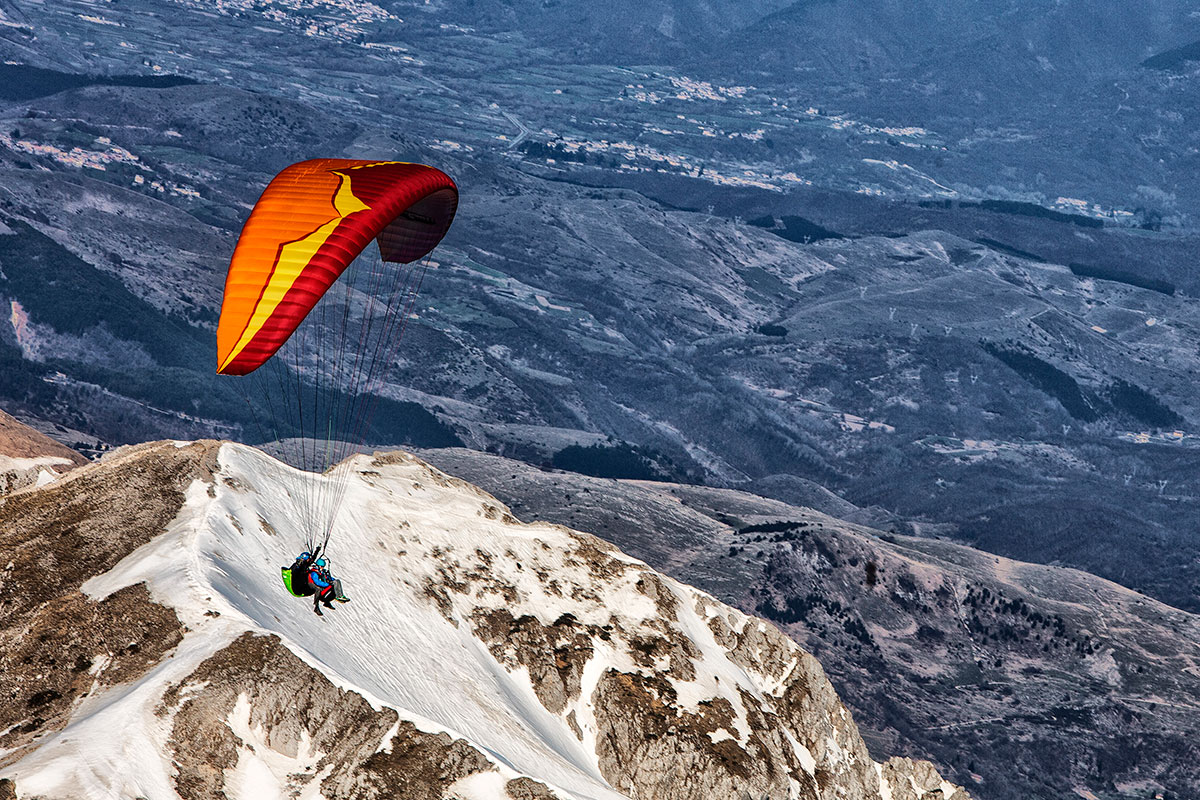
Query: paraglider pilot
(317, 580)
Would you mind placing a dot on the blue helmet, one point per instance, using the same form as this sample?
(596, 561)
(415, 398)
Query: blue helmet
(304, 556)
(320, 562)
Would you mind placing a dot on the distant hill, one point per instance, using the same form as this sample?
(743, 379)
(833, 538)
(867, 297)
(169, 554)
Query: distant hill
(18, 440)
(30, 458)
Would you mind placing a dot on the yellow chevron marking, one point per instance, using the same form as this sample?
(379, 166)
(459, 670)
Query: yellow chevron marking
(293, 258)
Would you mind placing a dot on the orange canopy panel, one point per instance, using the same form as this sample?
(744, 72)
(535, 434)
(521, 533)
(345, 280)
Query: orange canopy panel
(312, 221)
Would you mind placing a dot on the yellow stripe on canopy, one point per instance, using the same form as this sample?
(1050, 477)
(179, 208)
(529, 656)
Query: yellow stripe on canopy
(293, 258)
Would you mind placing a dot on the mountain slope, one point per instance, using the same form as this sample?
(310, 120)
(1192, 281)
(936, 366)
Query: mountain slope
(1062, 682)
(18, 440)
(151, 651)
(28, 456)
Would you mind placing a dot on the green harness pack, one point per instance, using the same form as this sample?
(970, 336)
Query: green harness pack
(287, 581)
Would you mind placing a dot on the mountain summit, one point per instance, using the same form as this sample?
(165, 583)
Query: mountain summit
(150, 650)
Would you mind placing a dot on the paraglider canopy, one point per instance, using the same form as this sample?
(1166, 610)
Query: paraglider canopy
(311, 222)
(303, 258)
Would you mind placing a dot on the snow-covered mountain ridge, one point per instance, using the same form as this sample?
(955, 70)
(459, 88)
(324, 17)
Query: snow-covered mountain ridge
(150, 650)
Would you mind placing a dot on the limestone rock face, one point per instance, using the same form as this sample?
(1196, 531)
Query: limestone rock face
(255, 693)
(663, 723)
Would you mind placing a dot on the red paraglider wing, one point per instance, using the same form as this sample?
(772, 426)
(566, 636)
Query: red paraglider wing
(311, 222)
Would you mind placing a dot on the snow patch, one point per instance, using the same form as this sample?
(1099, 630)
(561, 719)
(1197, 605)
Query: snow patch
(480, 786)
(262, 772)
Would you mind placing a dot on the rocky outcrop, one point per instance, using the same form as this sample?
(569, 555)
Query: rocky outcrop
(82, 525)
(554, 654)
(795, 742)
(649, 747)
(255, 695)
(803, 746)
(525, 789)
(69, 647)
(915, 780)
